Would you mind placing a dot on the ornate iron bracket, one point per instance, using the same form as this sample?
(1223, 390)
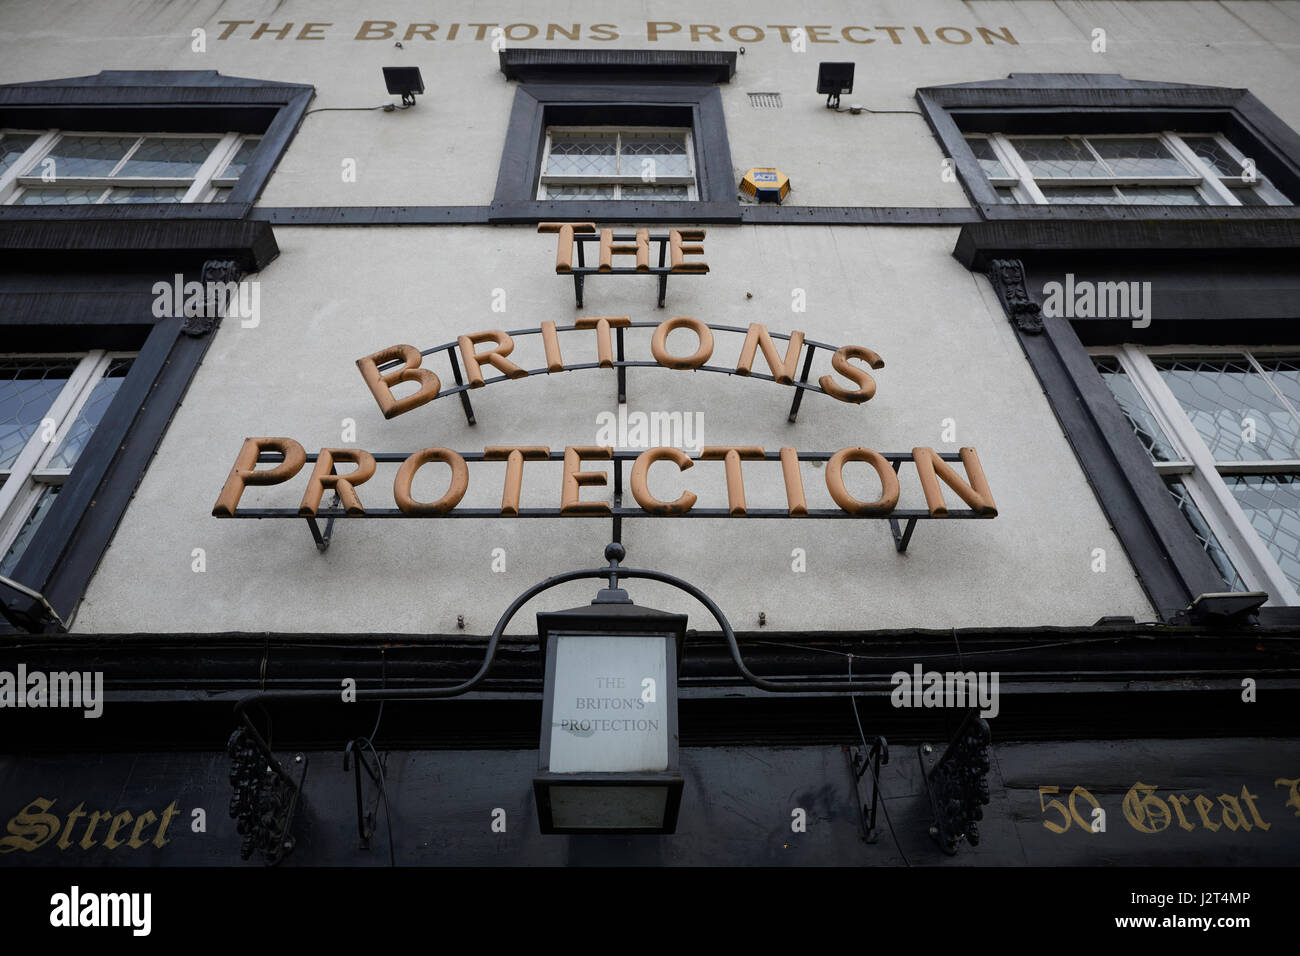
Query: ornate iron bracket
(265, 797)
(957, 784)
(1008, 279)
(861, 763)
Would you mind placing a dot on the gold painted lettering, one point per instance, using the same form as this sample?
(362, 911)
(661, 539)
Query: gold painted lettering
(111, 842)
(1294, 799)
(655, 27)
(143, 820)
(160, 839)
(279, 34)
(1177, 801)
(1204, 805)
(65, 840)
(1249, 799)
(92, 821)
(371, 26)
(1144, 811)
(31, 827)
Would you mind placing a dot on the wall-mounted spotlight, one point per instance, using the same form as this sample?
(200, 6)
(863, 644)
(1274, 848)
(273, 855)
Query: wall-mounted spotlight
(404, 81)
(834, 79)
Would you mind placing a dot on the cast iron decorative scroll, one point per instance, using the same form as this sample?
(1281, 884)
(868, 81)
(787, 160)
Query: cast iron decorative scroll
(265, 796)
(218, 276)
(958, 784)
(1008, 278)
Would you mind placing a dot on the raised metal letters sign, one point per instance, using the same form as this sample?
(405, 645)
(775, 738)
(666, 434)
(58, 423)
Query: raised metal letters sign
(402, 363)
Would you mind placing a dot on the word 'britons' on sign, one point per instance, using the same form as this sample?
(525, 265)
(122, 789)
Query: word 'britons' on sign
(399, 364)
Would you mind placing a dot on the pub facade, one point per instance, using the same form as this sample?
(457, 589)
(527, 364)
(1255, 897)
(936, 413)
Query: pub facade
(659, 442)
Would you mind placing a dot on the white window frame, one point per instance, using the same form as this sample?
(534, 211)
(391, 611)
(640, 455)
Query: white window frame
(30, 474)
(25, 172)
(1213, 189)
(690, 180)
(1196, 467)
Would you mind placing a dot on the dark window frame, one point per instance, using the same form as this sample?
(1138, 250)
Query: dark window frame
(74, 278)
(1082, 103)
(655, 91)
(1224, 282)
(162, 101)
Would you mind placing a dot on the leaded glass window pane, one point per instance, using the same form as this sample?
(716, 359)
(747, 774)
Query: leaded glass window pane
(30, 526)
(90, 415)
(136, 194)
(1272, 505)
(13, 145)
(666, 153)
(579, 191)
(1058, 157)
(169, 156)
(669, 192)
(45, 196)
(28, 387)
(1232, 408)
(1205, 535)
(1138, 156)
(988, 159)
(583, 154)
(86, 155)
(1145, 426)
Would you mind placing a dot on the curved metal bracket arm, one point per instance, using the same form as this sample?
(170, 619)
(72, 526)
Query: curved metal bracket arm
(612, 573)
